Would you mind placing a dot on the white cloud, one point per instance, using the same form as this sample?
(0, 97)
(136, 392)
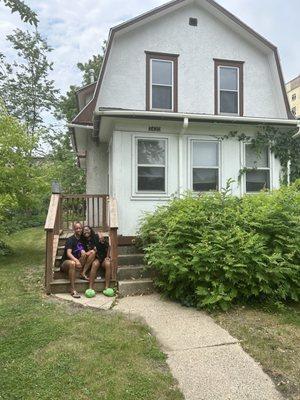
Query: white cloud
(77, 29)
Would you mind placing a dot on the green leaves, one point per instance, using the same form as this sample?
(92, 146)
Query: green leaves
(25, 87)
(25, 12)
(213, 250)
(20, 184)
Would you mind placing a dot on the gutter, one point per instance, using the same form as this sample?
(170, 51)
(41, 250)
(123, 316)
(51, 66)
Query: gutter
(171, 116)
(80, 126)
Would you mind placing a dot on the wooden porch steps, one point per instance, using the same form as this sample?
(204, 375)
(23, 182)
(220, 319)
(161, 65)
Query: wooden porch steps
(62, 285)
(132, 278)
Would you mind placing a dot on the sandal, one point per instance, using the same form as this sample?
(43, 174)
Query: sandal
(84, 277)
(75, 295)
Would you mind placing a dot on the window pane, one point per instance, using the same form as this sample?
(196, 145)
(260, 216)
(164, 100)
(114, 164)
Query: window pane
(162, 72)
(256, 160)
(228, 78)
(229, 102)
(205, 179)
(205, 154)
(151, 178)
(257, 180)
(162, 97)
(151, 152)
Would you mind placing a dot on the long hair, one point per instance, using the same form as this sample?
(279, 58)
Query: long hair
(93, 235)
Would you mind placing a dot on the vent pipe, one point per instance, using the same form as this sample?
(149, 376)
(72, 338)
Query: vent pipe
(92, 75)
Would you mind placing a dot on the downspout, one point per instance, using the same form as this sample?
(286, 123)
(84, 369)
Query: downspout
(298, 133)
(180, 155)
(288, 172)
(288, 169)
(74, 144)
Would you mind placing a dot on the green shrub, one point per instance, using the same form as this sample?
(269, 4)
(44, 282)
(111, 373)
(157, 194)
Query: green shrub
(214, 249)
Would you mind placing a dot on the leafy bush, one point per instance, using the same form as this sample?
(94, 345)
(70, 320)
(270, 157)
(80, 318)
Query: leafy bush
(5, 250)
(215, 249)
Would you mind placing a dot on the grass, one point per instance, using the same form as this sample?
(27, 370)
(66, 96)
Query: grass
(52, 350)
(271, 337)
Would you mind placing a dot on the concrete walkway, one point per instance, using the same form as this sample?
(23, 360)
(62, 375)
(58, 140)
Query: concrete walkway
(99, 302)
(208, 363)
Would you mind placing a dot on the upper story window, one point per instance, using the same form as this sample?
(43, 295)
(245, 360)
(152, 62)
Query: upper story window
(151, 165)
(294, 111)
(229, 87)
(294, 97)
(205, 165)
(161, 81)
(259, 177)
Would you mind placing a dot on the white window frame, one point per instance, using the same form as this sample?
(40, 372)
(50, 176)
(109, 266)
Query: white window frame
(163, 85)
(226, 90)
(192, 140)
(145, 194)
(269, 168)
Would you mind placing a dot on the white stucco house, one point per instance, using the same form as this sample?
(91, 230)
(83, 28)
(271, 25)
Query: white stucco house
(174, 81)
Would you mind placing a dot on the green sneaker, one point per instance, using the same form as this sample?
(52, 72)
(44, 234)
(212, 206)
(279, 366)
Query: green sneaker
(109, 292)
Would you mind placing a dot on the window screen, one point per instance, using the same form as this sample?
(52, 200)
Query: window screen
(205, 165)
(259, 178)
(162, 84)
(151, 165)
(228, 90)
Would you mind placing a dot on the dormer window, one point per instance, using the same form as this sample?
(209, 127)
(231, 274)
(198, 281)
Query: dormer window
(229, 87)
(161, 85)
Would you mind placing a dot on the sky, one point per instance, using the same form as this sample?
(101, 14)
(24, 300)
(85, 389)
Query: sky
(76, 29)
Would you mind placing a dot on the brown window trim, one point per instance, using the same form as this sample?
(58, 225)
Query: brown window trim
(162, 56)
(230, 63)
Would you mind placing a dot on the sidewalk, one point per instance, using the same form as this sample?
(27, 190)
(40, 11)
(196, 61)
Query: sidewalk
(208, 363)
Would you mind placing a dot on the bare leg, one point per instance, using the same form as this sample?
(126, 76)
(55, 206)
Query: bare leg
(107, 266)
(88, 262)
(69, 267)
(93, 273)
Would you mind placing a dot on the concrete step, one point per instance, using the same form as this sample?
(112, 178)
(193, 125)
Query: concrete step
(132, 287)
(130, 259)
(63, 285)
(133, 272)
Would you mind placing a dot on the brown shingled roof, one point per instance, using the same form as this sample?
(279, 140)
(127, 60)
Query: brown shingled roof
(85, 116)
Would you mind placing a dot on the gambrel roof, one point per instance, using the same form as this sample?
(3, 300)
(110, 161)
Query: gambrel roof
(85, 117)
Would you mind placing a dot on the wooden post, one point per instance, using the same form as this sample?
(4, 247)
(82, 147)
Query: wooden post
(51, 226)
(61, 220)
(113, 234)
(49, 260)
(104, 212)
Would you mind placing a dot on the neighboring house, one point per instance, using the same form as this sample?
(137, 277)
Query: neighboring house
(293, 92)
(174, 81)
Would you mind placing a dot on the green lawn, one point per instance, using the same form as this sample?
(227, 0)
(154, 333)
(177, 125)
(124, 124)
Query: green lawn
(52, 350)
(273, 339)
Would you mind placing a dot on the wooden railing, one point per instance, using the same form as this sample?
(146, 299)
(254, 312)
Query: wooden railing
(97, 211)
(89, 209)
(52, 228)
